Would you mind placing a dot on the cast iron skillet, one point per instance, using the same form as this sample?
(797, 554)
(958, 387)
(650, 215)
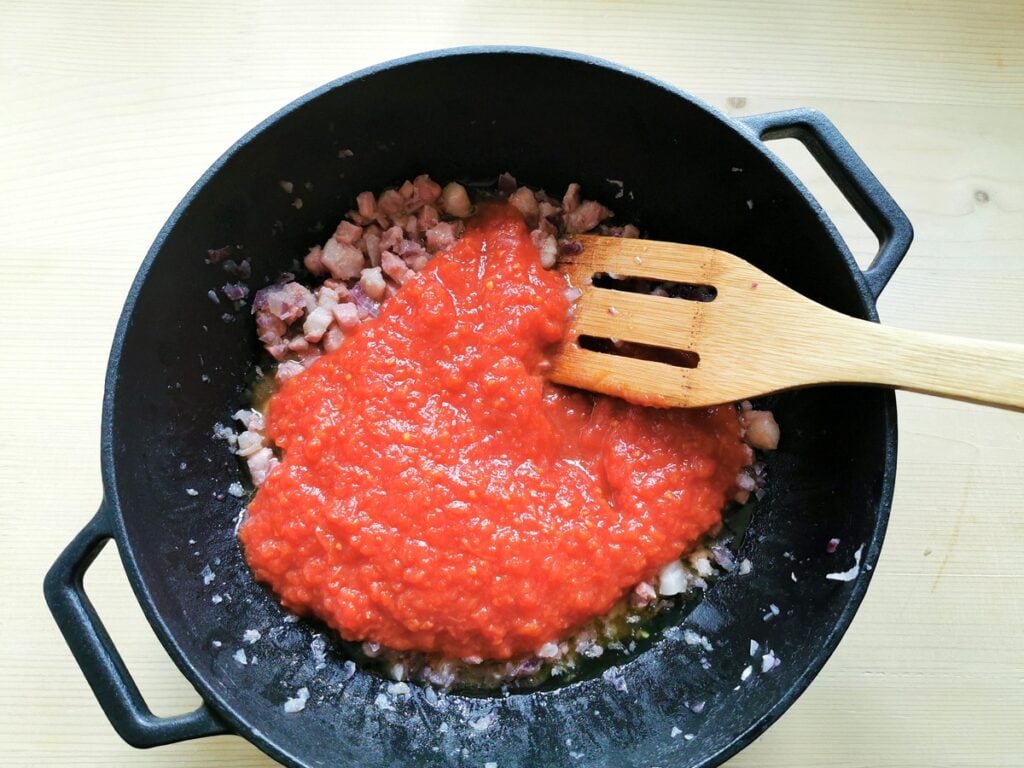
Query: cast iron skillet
(690, 174)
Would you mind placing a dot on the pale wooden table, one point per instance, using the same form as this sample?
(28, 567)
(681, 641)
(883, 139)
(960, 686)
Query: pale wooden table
(111, 110)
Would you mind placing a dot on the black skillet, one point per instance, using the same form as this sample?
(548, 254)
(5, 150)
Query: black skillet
(689, 174)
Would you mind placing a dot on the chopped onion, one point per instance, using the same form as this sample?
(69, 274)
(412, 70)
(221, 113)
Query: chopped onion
(548, 651)
(371, 648)
(672, 579)
(613, 676)
(850, 574)
(693, 638)
(298, 703)
(723, 557)
(703, 566)
(318, 647)
(348, 669)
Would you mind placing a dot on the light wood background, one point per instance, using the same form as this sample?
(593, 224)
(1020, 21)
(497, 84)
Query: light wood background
(110, 110)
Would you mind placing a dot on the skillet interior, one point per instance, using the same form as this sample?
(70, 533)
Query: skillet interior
(548, 120)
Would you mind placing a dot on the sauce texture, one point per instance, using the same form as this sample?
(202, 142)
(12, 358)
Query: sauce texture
(436, 494)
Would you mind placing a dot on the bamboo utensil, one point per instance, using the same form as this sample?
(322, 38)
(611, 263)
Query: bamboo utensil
(754, 337)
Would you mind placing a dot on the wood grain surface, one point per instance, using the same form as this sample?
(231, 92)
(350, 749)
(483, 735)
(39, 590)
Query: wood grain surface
(109, 111)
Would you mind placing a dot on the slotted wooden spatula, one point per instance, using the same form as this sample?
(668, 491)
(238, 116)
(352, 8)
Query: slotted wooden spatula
(756, 336)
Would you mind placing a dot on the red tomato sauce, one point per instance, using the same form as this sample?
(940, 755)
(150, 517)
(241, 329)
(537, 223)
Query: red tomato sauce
(437, 494)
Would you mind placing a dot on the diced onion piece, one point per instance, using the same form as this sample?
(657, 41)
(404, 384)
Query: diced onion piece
(298, 703)
(850, 574)
(672, 579)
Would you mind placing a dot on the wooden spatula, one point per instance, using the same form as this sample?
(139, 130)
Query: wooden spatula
(754, 337)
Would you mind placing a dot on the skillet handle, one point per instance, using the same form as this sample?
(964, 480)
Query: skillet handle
(95, 653)
(853, 178)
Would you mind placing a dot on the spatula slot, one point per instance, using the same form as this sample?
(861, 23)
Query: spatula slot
(677, 357)
(687, 291)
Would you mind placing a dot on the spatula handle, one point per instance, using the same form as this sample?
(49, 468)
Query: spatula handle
(986, 372)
